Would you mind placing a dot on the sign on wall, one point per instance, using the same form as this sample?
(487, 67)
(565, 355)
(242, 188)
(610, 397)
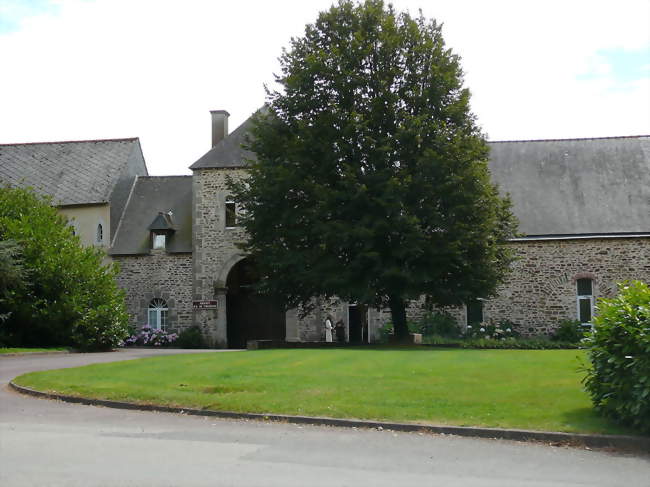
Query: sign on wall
(204, 304)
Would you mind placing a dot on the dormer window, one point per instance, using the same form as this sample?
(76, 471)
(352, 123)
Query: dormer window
(161, 228)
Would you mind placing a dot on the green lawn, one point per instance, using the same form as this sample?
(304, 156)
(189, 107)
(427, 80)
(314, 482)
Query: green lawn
(530, 389)
(31, 350)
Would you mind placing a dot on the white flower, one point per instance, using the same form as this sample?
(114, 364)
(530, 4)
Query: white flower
(469, 327)
(482, 329)
(508, 330)
(629, 356)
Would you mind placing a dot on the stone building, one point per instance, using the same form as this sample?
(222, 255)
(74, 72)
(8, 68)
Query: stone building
(583, 207)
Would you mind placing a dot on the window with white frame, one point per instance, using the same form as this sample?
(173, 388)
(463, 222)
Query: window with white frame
(159, 240)
(231, 214)
(585, 298)
(157, 314)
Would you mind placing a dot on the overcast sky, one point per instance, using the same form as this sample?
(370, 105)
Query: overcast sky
(93, 69)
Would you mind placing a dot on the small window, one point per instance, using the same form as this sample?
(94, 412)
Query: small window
(157, 314)
(100, 233)
(159, 241)
(231, 214)
(475, 312)
(585, 297)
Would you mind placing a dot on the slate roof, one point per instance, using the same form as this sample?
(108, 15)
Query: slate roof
(150, 196)
(576, 186)
(228, 153)
(73, 173)
(558, 187)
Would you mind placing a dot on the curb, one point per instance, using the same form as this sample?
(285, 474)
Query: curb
(627, 443)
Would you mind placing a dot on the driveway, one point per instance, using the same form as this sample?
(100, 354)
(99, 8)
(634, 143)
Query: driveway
(51, 443)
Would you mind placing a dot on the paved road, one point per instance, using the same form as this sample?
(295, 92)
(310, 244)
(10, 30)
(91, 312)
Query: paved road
(51, 443)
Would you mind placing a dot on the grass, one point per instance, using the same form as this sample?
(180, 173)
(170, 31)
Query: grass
(31, 350)
(529, 389)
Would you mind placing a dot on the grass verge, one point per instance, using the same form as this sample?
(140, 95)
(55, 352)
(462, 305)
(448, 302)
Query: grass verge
(31, 350)
(528, 389)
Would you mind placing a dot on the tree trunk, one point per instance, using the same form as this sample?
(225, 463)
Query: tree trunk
(398, 315)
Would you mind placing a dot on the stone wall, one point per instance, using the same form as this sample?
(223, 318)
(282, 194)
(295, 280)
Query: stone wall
(159, 275)
(541, 290)
(215, 247)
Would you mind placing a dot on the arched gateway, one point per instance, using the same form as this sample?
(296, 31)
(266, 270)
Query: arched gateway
(250, 316)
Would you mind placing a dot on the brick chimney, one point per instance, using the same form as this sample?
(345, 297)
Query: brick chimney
(219, 125)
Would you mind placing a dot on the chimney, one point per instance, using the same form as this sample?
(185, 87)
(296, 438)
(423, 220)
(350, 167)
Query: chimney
(219, 125)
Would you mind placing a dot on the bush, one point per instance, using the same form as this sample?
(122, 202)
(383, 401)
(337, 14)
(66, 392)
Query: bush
(70, 297)
(571, 331)
(438, 323)
(191, 338)
(493, 330)
(501, 343)
(150, 337)
(618, 378)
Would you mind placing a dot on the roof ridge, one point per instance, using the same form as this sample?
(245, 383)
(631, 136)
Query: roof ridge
(124, 139)
(566, 140)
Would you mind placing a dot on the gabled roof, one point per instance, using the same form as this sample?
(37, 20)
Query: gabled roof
(150, 196)
(163, 221)
(576, 186)
(73, 173)
(558, 187)
(229, 151)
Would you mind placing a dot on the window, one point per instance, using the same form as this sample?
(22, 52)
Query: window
(584, 289)
(157, 316)
(159, 240)
(475, 312)
(100, 233)
(231, 214)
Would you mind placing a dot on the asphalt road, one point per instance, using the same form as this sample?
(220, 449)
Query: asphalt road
(51, 443)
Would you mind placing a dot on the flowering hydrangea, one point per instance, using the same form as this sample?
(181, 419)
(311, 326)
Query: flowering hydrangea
(150, 337)
(498, 331)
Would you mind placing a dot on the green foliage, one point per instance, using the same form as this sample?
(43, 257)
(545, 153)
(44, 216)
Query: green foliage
(72, 298)
(571, 331)
(371, 179)
(493, 330)
(618, 379)
(191, 337)
(12, 277)
(511, 343)
(440, 324)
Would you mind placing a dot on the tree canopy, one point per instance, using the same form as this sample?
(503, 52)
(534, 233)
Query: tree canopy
(59, 292)
(370, 181)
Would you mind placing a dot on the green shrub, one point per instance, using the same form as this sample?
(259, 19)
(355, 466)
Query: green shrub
(492, 330)
(191, 337)
(571, 331)
(500, 343)
(70, 297)
(618, 378)
(438, 323)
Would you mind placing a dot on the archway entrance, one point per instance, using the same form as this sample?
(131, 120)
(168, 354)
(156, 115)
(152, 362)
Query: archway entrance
(251, 316)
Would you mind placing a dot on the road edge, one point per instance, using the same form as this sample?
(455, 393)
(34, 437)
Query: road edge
(617, 442)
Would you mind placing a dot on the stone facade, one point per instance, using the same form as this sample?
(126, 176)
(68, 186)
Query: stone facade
(158, 275)
(215, 247)
(541, 289)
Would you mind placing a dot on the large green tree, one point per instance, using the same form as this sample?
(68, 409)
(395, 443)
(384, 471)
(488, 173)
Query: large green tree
(371, 180)
(59, 293)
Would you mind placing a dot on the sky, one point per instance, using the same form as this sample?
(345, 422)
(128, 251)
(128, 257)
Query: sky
(102, 69)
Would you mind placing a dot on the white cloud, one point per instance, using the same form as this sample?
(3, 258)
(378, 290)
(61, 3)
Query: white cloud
(153, 69)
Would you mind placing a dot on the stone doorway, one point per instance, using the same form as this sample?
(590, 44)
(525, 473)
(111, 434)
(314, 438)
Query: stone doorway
(357, 323)
(249, 315)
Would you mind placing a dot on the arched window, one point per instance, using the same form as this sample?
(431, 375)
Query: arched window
(585, 298)
(157, 314)
(100, 233)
